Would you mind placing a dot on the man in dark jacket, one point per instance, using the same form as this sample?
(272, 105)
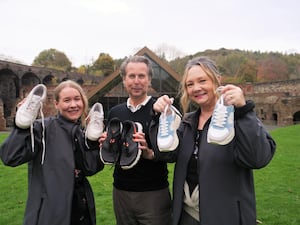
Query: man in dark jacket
(141, 194)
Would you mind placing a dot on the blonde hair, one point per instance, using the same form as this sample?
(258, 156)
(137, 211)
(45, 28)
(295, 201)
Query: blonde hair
(73, 84)
(209, 68)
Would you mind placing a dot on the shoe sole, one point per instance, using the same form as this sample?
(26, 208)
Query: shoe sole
(225, 141)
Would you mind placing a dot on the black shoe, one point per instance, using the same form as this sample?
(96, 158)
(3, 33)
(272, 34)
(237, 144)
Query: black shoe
(130, 152)
(111, 147)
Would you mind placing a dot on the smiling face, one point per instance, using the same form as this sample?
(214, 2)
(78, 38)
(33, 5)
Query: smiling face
(70, 103)
(200, 87)
(136, 81)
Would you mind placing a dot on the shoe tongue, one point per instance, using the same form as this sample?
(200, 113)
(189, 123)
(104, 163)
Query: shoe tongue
(35, 97)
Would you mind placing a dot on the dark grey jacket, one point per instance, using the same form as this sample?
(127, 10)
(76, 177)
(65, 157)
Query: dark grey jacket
(225, 171)
(51, 184)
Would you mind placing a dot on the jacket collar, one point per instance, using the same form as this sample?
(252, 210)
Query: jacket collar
(192, 119)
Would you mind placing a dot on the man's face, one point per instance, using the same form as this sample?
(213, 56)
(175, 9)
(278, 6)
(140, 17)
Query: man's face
(136, 80)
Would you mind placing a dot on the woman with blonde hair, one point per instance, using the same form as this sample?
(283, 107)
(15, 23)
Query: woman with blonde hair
(58, 158)
(220, 144)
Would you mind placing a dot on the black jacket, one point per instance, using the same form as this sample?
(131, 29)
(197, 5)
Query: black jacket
(226, 186)
(51, 184)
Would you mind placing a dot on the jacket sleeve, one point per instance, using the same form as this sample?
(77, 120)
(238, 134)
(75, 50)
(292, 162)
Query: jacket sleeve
(17, 147)
(89, 151)
(254, 147)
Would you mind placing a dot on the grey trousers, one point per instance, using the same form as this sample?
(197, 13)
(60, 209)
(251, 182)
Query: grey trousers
(142, 208)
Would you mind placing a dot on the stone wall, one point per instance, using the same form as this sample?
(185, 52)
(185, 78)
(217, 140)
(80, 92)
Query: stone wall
(277, 103)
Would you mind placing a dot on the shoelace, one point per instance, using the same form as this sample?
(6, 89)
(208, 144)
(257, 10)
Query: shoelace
(220, 114)
(164, 124)
(34, 104)
(96, 118)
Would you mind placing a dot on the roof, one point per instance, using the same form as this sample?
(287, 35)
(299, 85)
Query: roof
(114, 79)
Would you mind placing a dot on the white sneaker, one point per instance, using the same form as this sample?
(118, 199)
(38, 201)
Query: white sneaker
(221, 127)
(169, 120)
(95, 126)
(28, 111)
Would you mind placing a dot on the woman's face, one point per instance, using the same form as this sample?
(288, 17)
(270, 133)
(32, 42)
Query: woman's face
(70, 104)
(200, 87)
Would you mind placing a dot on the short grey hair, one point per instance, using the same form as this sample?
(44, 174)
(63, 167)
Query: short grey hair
(136, 59)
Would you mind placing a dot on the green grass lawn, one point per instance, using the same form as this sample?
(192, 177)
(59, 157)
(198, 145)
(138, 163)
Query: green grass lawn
(277, 186)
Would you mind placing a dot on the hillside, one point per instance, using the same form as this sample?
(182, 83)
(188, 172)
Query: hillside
(239, 66)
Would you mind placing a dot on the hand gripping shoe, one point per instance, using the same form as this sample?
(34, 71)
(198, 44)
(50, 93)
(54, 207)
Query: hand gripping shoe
(221, 127)
(169, 120)
(95, 125)
(130, 152)
(111, 147)
(28, 111)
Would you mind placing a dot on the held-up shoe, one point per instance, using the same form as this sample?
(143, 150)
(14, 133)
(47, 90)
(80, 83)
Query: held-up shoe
(95, 126)
(130, 152)
(28, 111)
(169, 120)
(221, 127)
(110, 150)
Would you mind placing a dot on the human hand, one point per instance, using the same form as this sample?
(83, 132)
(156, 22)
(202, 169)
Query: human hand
(102, 138)
(162, 102)
(147, 153)
(233, 95)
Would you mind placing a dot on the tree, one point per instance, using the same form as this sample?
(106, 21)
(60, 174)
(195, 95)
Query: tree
(247, 71)
(103, 65)
(53, 58)
(168, 52)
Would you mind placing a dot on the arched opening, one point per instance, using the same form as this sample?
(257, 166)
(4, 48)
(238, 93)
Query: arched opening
(296, 118)
(49, 80)
(30, 79)
(275, 118)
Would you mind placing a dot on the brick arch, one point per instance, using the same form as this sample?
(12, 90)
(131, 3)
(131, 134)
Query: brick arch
(9, 93)
(296, 117)
(49, 80)
(30, 79)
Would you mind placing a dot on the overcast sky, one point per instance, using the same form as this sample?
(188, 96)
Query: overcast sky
(82, 29)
